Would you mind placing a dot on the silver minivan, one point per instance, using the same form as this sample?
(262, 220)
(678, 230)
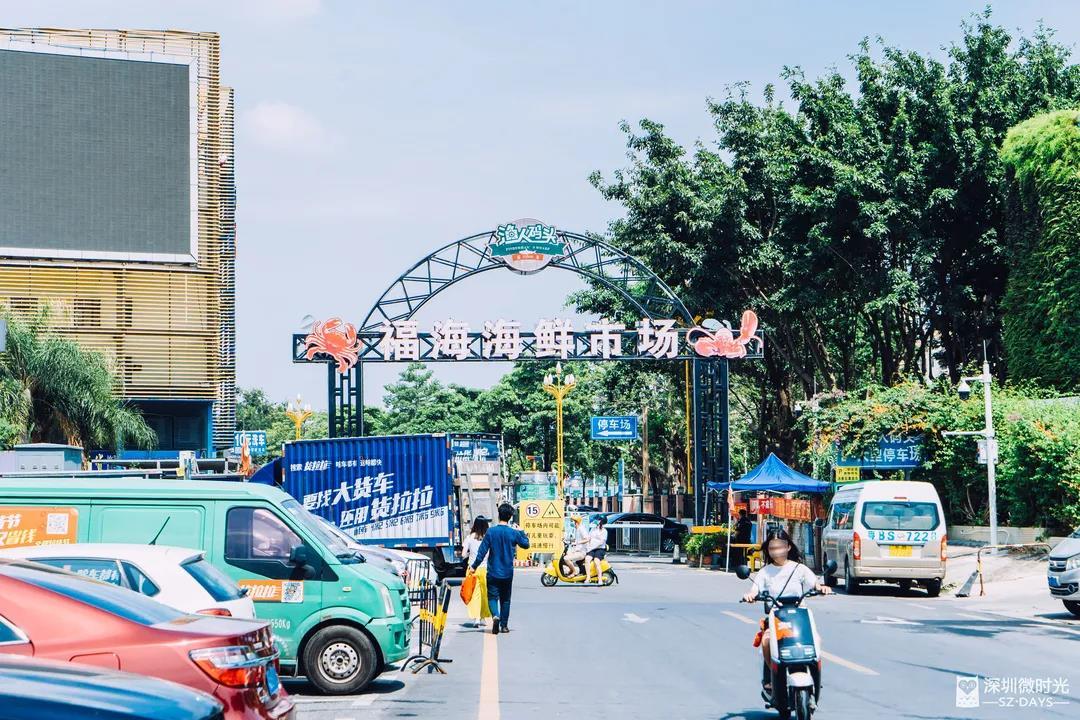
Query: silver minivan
(887, 530)
(1063, 574)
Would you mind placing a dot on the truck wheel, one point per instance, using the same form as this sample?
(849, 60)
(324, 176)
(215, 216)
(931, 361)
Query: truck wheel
(933, 587)
(340, 660)
(851, 583)
(905, 586)
(1072, 606)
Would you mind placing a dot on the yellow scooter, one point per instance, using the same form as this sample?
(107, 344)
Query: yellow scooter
(555, 572)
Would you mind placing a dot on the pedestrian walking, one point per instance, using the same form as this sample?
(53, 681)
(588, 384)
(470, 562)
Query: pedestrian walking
(498, 547)
(478, 608)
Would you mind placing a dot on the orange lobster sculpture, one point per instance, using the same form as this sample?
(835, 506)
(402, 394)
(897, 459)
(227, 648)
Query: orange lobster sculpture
(336, 339)
(723, 342)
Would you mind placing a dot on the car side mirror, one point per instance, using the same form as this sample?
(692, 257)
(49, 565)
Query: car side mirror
(245, 591)
(830, 568)
(298, 555)
(743, 571)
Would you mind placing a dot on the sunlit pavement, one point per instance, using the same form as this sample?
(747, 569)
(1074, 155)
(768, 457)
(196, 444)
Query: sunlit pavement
(672, 641)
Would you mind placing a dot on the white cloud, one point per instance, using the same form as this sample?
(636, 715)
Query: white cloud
(282, 126)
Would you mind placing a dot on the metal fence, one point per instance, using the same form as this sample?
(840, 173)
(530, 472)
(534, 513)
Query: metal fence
(639, 538)
(420, 578)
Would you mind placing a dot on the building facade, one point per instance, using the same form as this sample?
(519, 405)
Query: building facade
(117, 213)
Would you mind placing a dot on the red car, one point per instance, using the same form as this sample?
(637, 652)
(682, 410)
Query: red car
(50, 613)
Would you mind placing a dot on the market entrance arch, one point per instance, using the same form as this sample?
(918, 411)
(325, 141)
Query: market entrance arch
(665, 330)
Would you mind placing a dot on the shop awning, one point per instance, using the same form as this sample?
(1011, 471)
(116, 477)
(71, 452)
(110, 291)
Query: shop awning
(773, 475)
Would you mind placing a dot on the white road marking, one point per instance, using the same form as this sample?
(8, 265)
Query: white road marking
(848, 664)
(924, 607)
(737, 616)
(489, 679)
(885, 620)
(631, 617)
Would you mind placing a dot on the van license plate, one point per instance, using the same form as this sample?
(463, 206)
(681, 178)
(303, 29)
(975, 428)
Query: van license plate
(900, 551)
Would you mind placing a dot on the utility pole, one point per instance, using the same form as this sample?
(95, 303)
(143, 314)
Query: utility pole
(645, 485)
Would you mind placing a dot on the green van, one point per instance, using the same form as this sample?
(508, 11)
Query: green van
(336, 619)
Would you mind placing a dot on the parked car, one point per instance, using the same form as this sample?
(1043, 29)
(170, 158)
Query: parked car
(337, 620)
(32, 689)
(179, 577)
(672, 534)
(57, 615)
(887, 530)
(1063, 573)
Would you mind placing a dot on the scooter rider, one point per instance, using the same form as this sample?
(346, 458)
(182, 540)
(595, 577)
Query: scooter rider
(597, 549)
(784, 576)
(576, 552)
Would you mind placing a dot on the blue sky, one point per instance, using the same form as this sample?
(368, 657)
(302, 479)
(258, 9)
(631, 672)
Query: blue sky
(369, 134)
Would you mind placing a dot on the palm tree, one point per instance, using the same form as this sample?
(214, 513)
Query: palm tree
(54, 390)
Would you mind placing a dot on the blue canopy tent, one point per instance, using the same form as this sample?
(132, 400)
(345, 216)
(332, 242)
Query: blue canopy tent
(773, 475)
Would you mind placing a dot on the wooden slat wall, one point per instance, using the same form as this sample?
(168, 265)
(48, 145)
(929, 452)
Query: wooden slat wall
(169, 329)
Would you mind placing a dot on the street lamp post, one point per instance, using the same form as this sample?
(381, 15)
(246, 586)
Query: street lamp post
(987, 433)
(298, 414)
(559, 388)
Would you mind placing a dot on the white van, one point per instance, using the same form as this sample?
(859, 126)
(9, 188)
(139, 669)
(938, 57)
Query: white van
(887, 530)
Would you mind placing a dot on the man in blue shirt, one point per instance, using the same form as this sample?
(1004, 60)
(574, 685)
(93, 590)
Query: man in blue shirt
(500, 541)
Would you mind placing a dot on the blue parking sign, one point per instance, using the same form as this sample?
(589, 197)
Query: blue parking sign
(614, 427)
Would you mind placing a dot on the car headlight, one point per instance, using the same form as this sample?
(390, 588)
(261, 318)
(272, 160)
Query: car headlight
(1073, 562)
(387, 601)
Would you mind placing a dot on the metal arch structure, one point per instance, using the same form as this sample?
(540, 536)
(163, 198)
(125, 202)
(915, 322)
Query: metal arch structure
(589, 257)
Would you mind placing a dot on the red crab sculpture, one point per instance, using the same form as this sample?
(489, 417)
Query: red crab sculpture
(723, 342)
(336, 339)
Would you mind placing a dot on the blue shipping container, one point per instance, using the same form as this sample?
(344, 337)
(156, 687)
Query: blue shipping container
(394, 490)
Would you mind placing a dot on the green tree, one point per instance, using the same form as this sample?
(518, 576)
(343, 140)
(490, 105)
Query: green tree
(865, 225)
(54, 390)
(1042, 298)
(418, 403)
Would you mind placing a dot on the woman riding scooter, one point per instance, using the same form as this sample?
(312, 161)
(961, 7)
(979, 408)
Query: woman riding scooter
(596, 550)
(784, 576)
(576, 552)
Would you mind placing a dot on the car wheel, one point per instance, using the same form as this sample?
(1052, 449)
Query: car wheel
(340, 660)
(667, 545)
(1072, 606)
(933, 587)
(851, 583)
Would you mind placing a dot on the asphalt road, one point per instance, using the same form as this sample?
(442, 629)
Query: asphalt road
(673, 642)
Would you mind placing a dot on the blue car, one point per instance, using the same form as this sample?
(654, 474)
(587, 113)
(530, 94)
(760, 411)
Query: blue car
(48, 690)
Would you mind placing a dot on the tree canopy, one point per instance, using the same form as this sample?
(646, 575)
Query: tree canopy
(54, 390)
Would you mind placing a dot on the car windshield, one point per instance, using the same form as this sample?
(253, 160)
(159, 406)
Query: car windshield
(1076, 533)
(335, 541)
(103, 596)
(898, 515)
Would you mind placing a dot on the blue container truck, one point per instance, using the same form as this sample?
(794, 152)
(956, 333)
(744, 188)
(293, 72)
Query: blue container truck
(408, 491)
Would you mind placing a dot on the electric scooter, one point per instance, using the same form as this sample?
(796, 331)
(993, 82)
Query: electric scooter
(794, 651)
(555, 572)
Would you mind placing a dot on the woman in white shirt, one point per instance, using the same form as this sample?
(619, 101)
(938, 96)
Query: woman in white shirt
(784, 576)
(596, 549)
(478, 604)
